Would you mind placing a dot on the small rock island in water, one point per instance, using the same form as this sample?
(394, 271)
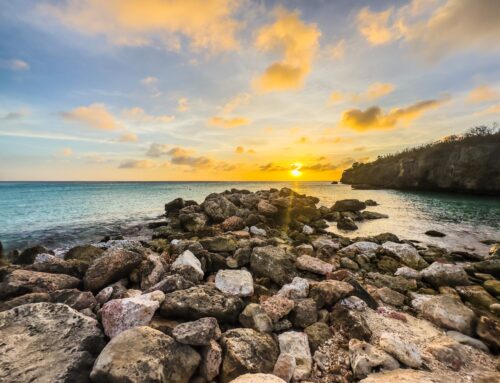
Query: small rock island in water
(251, 288)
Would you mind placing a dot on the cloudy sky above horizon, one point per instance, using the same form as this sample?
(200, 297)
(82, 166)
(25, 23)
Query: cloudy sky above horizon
(237, 90)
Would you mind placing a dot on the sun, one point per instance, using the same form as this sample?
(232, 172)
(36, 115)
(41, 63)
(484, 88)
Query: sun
(295, 172)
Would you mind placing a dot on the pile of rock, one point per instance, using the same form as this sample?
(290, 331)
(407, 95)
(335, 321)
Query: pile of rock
(249, 287)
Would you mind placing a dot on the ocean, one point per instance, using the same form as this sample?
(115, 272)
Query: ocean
(62, 214)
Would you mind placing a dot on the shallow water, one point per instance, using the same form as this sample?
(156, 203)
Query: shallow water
(60, 214)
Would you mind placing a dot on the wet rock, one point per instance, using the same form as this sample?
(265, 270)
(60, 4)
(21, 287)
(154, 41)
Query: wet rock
(366, 359)
(143, 354)
(348, 205)
(253, 316)
(284, 367)
(211, 360)
(406, 254)
(188, 266)
(298, 288)
(296, 344)
(233, 223)
(47, 342)
(314, 265)
(76, 299)
(329, 292)
(370, 202)
(304, 314)
(449, 312)
(122, 314)
(317, 334)
(267, 209)
(276, 307)
(246, 351)
(218, 207)
(197, 333)
(489, 331)
(476, 295)
(112, 265)
(86, 253)
(407, 353)
(469, 341)
(346, 223)
(28, 256)
(390, 296)
(373, 215)
(444, 274)
(435, 233)
(235, 282)
(273, 262)
(20, 282)
(171, 283)
(199, 302)
(257, 378)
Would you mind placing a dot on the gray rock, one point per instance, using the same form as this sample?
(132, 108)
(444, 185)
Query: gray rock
(366, 359)
(254, 230)
(449, 312)
(348, 205)
(298, 288)
(211, 360)
(253, 316)
(220, 244)
(197, 333)
(218, 207)
(407, 353)
(405, 253)
(296, 344)
(235, 282)
(305, 313)
(188, 266)
(273, 262)
(85, 253)
(444, 274)
(469, 341)
(74, 298)
(47, 342)
(171, 283)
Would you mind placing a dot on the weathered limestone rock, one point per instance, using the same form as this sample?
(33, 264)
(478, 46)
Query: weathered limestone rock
(403, 376)
(489, 331)
(85, 253)
(142, 354)
(390, 296)
(76, 299)
(153, 270)
(361, 247)
(171, 283)
(201, 301)
(188, 266)
(233, 223)
(314, 265)
(220, 244)
(305, 313)
(47, 342)
(476, 295)
(246, 351)
(197, 333)
(444, 274)
(406, 353)
(258, 231)
(276, 307)
(284, 367)
(298, 288)
(297, 345)
(254, 317)
(304, 249)
(366, 358)
(329, 292)
(211, 360)
(112, 265)
(235, 282)
(273, 262)
(407, 272)
(257, 378)
(122, 314)
(447, 351)
(25, 299)
(398, 283)
(406, 254)
(449, 312)
(267, 209)
(218, 207)
(317, 334)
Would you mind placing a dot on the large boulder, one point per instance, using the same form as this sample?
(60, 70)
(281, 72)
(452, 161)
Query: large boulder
(141, 355)
(348, 205)
(405, 253)
(273, 262)
(20, 282)
(445, 274)
(247, 351)
(218, 207)
(201, 301)
(47, 342)
(449, 312)
(407, 353)
(192, 218)
(113, 265)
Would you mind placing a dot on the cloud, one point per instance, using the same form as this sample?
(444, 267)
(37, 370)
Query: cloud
(374, 118)
(272, 167)
(137, 164)
(482, 93)
(149, 81)
(494, 109)
(229, 123)
(183, 104)
(157, 150)
(296, 41)
(303, 140)
(95, 116)
(374, 26)
(236, 101)
(181, 156)
(140, 116)
(208, 25)
(241, 150)
(337, 51)
(129, 137)
(11, 116)
(67, 152)
(373, 92)
(14, 65)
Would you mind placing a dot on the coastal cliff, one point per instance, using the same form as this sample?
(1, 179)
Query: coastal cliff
(469, 163)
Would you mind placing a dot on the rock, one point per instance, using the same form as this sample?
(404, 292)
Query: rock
(373, 215)
(490, 266)
(489, 331)
(258, 232)
(361, 247)
(171, 283)
(297, 345)
(197, 333)
(307, 230)
(28, 256)
(218, 207)
(86, 253)
(435, 233)
(305, 313)
(199, 302)
(254, 317)
(304, 249)
(47, 342)
(493, 287)
(349, 322)
(188, 266)
(469, 341)
(399, 284)
(76, 299)
(346, 223)
(402, 376)
(370, 202)
(48, 263)
(233, 223)
(25, 281)
(153, 270)
(495, 309)
(174, 206)
(317, 334)
(447, 351)
(277, 306)
(284, 367)
(265, 208)
(348, 205)
(390, 296)
(192, 219)
(314, 265)
(476, 296)
(25, 299)
(444, 274)
(211, 360)
(273, 262)
(235, 282)
(143, 354)
(111, 266)
(246, 351)
(257, 378)
(220, 244)
(406, 254)
(404, 351)
(329, 292)
(366, 359)
(299, 288)
(407, 272)
(448, 312)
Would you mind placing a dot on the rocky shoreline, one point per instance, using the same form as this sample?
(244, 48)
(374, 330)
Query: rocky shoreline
(250, 287)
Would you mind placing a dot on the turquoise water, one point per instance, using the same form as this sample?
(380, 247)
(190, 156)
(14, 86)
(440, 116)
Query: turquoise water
(59, 214)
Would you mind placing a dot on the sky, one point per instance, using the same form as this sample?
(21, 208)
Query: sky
(237, 90)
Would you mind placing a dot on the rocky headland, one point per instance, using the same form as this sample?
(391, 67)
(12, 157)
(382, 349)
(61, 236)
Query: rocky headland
(251, 288)
(467, 164)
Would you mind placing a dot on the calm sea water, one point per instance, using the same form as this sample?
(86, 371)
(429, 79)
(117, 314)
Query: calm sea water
(61, 214)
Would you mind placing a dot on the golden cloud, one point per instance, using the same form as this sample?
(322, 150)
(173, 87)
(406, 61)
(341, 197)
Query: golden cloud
(482, 93)
(208, 24)
(183, 104)
(239, 150)
(229, 123)
(373, 92)
(374, 118)
(236, 101)
(140, 116)
(95, 116)
(296, 41)
(137, 164)
(337, 51)
(129, 137)
(374, 26)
